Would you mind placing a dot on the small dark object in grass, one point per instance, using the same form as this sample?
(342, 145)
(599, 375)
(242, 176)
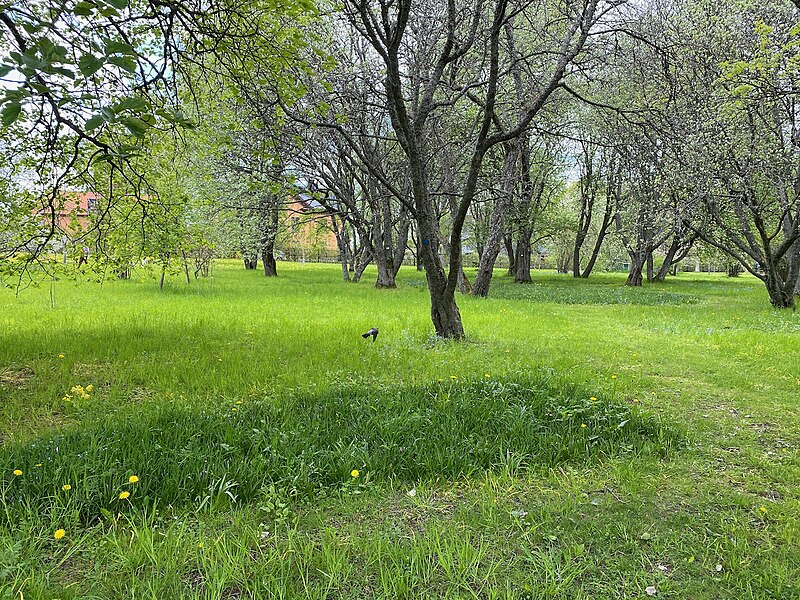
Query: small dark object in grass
(372, 332)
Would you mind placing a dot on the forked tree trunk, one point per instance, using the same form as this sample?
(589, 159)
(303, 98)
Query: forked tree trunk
(250, 261)
(608, 218)
(362, 264)
(508, 240)
(522, 259)
(494, 238)
(635, 276)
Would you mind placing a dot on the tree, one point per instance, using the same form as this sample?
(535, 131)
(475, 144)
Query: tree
(454, 53)
(88, 80)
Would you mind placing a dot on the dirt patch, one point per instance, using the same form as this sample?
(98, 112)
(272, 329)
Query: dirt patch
(16, 377)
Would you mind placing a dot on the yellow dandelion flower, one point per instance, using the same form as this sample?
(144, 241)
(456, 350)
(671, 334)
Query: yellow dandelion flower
(200, 545)
(66, 487)
(38, 465)
(583, 425)
(592, 399)
(59, 533)
(439, 380)
(763, 509)
(636, 401)
(234, 409)
(17, 472)
(354, 473)
(238, 402)
(124, 495)
(89, 387)
(60, 356)
(133, 479)
(613, 377)
(67, 398)
(453, 377)
(487, 375)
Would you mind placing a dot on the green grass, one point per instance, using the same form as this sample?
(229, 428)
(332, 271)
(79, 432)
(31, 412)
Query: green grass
(476, 478)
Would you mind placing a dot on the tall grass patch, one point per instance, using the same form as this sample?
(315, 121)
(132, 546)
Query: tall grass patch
(209, 457)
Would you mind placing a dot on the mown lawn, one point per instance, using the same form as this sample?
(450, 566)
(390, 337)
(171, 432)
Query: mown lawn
(587, 441)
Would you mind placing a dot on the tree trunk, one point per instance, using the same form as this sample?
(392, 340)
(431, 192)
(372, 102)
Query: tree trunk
(733, 269)
(383, 260)
(650, 267)
(444, 311)
(186, 266)
(268, 258)
(401, 243)
(608, 219)
(635, 276)
(508, 240)
(780, 298)
(361, 265)
(522, 259)
(250, 261)
(495, 232)
(268, 241)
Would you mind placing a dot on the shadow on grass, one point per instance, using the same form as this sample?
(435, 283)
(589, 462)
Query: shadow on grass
(209, 457)
(601, 293)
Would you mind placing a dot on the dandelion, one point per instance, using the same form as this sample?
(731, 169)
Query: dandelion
(60, 356)
(592, 399)
(133, 479)
(200, 545)
(38, 465)
(613, 377)
(59, 533)
(354, 473)
(124, 495)
(67, 398)
(487, 375)
(89, 388)
(66, 487)
(238, 402)
(636, 401)
(439, 380)
(234, 409)
(17, 472)
(763, 509)
(453, 377)
(583, 425)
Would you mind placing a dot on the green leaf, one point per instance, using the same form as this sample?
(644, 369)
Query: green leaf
(5, 70)
(83, 9)
(135, 125)
(123, 62)
(95, 122)
(117, 47)
(108, 114)
(10, 113)
(134, 103)
(117, 3)
(89, 64)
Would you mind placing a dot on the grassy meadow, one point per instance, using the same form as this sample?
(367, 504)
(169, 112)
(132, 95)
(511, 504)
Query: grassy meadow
(237, 438)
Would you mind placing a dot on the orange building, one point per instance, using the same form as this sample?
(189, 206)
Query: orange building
(72, 212)
(308, 226)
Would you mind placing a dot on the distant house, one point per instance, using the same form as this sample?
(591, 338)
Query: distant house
(72, 211)
(308, 229)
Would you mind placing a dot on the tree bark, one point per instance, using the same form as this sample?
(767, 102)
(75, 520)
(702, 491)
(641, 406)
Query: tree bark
(508, 240)
(635, 276)
(250, 262)
(268, 240)
(495, 234)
